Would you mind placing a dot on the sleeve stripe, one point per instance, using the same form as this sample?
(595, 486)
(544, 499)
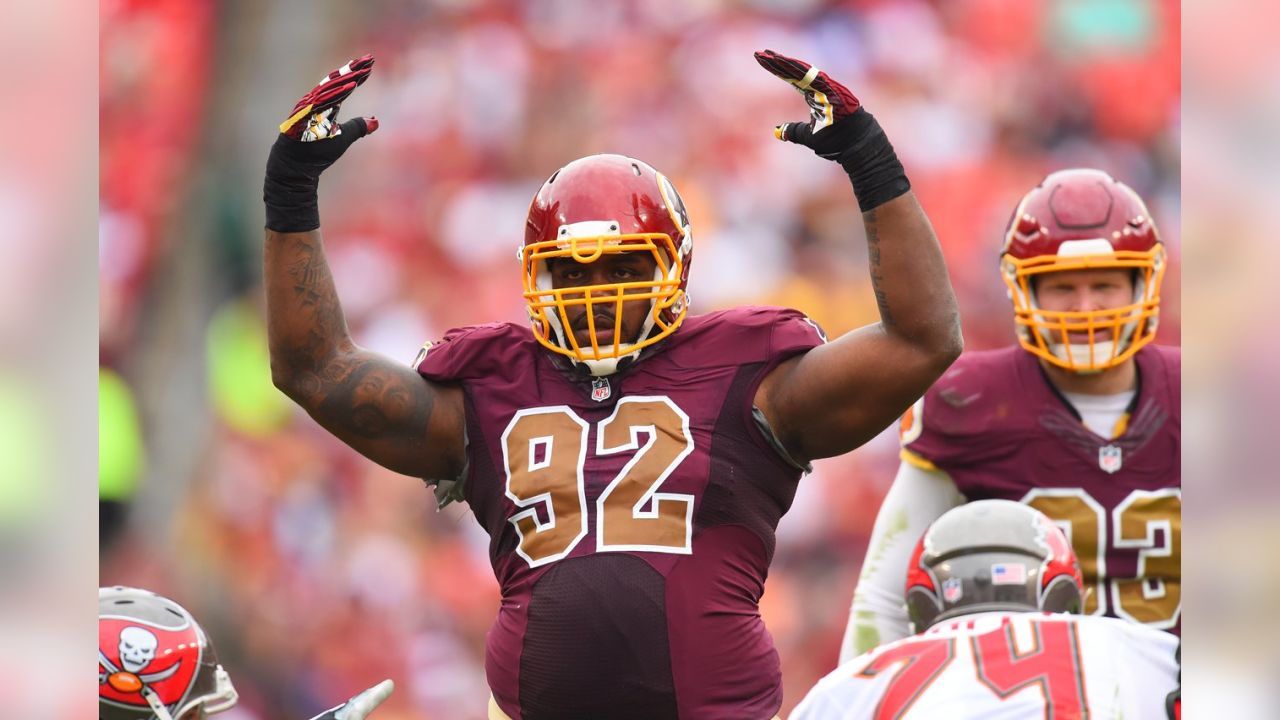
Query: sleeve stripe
(911, 457)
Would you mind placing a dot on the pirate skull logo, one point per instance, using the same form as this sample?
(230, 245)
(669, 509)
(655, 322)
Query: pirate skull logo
(137, 648)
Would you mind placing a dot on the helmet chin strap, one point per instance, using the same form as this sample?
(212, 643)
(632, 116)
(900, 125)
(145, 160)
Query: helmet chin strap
(1082, 355)
(162, 712)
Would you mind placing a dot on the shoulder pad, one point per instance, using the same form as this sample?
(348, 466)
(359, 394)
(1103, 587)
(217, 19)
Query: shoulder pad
(473, 351)
(745, 335)
(966, 403)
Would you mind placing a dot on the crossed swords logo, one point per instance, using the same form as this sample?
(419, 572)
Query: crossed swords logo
(128, 679)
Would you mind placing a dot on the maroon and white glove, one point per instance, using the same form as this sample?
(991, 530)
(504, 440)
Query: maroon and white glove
(311, 140)
(315, 116)
(829, 101)
(839, 129)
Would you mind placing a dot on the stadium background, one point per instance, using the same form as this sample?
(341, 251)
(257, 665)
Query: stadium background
(318, 573)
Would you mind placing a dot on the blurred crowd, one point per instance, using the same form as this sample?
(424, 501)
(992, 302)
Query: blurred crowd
(319, 573)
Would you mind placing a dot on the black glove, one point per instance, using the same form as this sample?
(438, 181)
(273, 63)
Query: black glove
(839, 129)
(359, 706)
(310, 141)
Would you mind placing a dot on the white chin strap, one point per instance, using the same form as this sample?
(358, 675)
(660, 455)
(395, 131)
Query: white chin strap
(1079, 354)
(157, 707)
(607, 366)
(223, 697)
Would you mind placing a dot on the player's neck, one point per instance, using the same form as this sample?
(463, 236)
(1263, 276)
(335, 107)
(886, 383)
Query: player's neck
(1112, 381)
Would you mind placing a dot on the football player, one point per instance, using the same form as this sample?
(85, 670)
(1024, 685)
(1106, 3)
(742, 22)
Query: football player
(155, 662)
(630, 460)
(1080, 420)
(988, 593)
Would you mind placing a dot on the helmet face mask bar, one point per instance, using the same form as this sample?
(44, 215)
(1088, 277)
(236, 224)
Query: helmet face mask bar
(1078, 220)
(594, 207)
(548, 305)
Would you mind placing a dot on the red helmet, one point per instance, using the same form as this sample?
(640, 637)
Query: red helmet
(1082, 219)
(155, 661)
(606, 204)
(991, 555)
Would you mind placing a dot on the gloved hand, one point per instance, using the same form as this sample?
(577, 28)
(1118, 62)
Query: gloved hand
(839, 129)
(359, 706)
(315, 116)
(310, 141)
(829, 102)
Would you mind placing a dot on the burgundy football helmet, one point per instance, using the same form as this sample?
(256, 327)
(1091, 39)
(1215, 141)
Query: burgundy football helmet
(592, 206)
(155, 661)
(1082, 219)
(991, 555)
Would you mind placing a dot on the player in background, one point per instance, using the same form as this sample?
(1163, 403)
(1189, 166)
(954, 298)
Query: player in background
(988, 592)
(629, 460)
(155, 662)
(1081, 420)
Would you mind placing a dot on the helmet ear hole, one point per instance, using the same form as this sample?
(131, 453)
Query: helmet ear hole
(1062, 596)
(923, 608)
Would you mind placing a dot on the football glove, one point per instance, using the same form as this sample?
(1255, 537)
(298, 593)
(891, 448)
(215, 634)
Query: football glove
(829, 102)
(359, 706)
(315, 116)
(839, 129)
(310, 140)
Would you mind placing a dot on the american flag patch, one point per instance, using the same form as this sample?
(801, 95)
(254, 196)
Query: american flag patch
(1008, 574)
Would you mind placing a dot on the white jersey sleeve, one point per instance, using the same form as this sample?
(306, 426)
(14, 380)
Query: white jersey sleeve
(878, 614)
(1006, 666)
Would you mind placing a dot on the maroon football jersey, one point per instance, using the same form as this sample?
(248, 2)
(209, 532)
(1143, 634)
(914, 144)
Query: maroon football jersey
(631, 517)
(997, 426)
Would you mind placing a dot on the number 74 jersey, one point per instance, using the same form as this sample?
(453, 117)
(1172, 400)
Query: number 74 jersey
(631, 518)
(1007, 666)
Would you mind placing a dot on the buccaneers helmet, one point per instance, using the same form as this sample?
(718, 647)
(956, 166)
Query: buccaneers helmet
(592, 206)
(991, 555)
(1082, 219)
(155, 661)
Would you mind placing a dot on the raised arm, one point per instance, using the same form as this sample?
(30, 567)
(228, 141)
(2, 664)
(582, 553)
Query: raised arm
(836, 397)
(378, 406)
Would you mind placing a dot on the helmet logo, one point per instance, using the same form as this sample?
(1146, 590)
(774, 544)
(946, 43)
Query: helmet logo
(141, 663)
(675, 204)
(137, 648)
(1110, 458)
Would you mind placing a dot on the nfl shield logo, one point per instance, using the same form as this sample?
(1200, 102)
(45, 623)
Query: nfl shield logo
(600, 390)
(1109, 458)
(952, 589)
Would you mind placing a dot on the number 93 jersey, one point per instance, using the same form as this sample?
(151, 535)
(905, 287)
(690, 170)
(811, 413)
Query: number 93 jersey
(999, 429)
(631, 517)
(1006, 666)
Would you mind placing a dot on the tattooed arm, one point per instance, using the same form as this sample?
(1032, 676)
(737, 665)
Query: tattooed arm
(382, 408)
(839, 395)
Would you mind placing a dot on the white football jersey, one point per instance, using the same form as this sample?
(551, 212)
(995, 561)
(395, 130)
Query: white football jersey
(1006, 666)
